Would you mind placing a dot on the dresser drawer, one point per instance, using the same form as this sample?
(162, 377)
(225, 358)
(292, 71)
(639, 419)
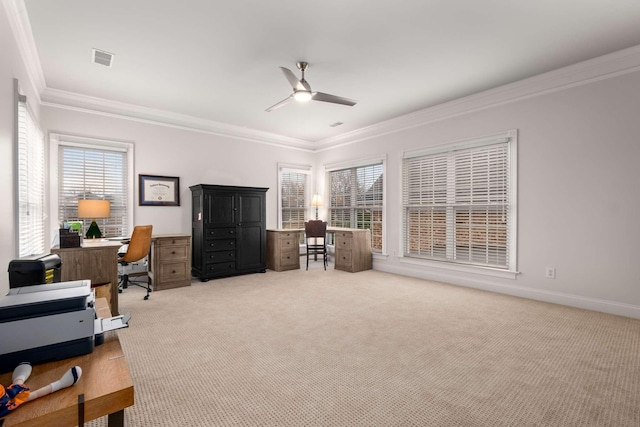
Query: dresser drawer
(287, 244)
(284, 235)
(172, 253)
(220, 245)
(344, 241)
(174, 271)
(343, 258)
(219, 233)
(173, 241)
(290, 258)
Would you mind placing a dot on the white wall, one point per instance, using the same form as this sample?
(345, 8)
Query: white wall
(194, 157)
(578, 197)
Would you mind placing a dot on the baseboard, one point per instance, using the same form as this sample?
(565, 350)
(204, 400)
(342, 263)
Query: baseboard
(577, 301)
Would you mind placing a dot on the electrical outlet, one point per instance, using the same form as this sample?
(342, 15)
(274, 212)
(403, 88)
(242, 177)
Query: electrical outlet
(550, 273)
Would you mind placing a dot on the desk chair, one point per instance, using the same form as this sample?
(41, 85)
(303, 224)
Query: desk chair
(139, 247)
(314, 231)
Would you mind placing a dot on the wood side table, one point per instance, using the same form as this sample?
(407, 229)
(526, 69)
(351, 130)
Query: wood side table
(105, 382)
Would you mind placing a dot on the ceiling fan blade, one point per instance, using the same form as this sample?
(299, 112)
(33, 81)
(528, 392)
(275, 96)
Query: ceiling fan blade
(325, 97)
(280, 104)
(293, 80)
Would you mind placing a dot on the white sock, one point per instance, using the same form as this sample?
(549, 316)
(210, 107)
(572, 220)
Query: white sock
(68, 379)
(21, 373)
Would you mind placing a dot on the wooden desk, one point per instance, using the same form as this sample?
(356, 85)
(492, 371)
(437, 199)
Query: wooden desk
(352, 249)
(96, 261)
(105, 382)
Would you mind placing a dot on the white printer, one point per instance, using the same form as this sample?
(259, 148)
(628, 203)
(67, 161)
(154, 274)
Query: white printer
(55, 321)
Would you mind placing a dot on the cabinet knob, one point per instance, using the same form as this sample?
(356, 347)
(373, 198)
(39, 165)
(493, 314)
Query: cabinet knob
(173, 252)
(174, 272)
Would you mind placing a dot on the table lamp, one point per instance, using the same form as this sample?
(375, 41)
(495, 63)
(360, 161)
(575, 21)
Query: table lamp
(93, 209)
(316, 201)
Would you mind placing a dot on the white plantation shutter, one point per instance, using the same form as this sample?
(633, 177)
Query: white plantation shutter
(356, 199)
(457, 203)
(94, 172)
(30, 168)
(293, 198)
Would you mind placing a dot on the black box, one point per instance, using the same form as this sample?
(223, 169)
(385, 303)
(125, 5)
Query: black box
(34, 270)
(69, 239)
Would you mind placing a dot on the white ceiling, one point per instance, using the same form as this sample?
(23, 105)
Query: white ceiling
(218, 61)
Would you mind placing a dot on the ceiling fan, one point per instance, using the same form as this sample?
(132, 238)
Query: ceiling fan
(302, 90)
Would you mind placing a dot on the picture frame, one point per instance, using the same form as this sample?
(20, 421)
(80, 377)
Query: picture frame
(156, 190)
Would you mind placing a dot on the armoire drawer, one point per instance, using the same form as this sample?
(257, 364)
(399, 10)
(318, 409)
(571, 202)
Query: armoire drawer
(220, 245)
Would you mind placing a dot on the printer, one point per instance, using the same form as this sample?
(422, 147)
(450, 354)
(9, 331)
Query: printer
(41, 323)
(34, 270)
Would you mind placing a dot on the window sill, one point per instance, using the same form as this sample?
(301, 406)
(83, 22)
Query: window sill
(461, 268)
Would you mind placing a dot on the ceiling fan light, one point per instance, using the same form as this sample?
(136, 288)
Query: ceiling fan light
(302, 95)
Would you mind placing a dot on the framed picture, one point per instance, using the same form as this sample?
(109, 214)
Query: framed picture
(159, 190)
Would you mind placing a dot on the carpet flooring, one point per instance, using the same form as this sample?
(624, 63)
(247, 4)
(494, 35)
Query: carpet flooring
(329, 348)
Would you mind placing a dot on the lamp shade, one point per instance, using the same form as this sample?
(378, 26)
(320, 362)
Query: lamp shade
(317, 200)
(92, 209)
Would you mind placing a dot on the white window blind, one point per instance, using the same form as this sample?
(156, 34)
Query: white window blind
(356, 200)
(30, 169)
(457, 204)
(94, 172)
(293, 198)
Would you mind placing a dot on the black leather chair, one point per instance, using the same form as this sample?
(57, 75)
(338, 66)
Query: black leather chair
(316, 239)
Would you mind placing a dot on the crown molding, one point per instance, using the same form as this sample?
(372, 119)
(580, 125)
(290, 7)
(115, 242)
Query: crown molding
(73, 101)
(603, 67)
(600, 68)
(19, 22)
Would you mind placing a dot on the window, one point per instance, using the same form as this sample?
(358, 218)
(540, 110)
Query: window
(458, 202)
(356, 196)
(294, 196)
(89, 169)
(30, 182)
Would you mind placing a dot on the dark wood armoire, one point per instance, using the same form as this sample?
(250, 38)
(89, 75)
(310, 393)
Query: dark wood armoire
(228, 230)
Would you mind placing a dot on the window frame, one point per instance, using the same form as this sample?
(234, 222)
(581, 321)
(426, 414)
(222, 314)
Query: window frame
(299, 169)
(510, 271)
(354, 165)
(56, 140)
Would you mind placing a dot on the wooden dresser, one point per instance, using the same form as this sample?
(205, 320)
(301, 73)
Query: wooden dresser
(283, 250)
(170, 261)
(353, 249)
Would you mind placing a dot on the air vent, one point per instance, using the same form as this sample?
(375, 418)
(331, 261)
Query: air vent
(336, 124)
(101, 57)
